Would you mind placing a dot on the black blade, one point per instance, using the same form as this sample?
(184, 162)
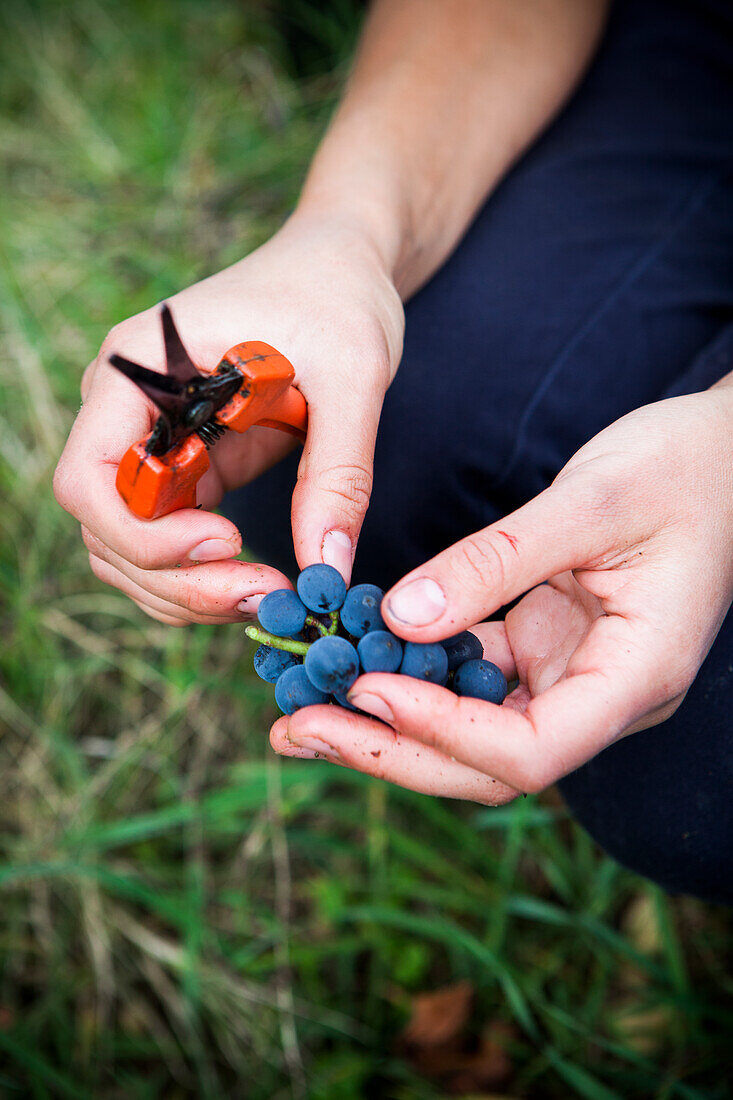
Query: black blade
(166, 392)
(178, 363)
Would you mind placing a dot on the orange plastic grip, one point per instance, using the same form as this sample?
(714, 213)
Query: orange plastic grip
(155, 486)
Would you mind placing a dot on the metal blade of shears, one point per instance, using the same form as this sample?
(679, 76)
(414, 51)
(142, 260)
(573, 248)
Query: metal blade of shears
(166, 392)
(178, 361)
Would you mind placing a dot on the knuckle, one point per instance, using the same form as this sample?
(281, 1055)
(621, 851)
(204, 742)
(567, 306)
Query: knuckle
(135, 336)
(384, 355)
(71, 487)
(63, 486)
(601, 494)
(196, 606)
(351, 483)
(197, 603)
(378, 339)
(143, 556)
(482, 561)
(194, 599)
(118, 336)
(672, 683)
(534, 777)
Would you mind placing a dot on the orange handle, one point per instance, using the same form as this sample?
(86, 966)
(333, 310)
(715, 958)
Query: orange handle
(154, 486)
(290, 415)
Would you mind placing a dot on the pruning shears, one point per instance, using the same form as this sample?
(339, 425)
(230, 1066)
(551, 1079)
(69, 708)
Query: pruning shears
(252, 384)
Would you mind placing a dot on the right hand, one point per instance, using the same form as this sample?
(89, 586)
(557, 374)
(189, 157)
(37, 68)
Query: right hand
(317, 292)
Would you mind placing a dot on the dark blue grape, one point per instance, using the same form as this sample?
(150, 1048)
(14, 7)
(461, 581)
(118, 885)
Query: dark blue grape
(480, 680)
(342, 701)
(294, 690)
(321, 588)
(462, 647)
(360, 613)
(380, 651)
(332, 664)
(270, 663)
(282, 613)
(425, 662)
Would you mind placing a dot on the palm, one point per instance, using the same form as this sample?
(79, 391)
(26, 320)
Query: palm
(546, 628)
(561, 630)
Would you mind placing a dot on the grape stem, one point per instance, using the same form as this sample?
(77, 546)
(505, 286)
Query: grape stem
(290, 645)
(326, 631)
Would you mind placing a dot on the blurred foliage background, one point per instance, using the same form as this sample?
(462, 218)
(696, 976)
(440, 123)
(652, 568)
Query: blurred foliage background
(184, 915)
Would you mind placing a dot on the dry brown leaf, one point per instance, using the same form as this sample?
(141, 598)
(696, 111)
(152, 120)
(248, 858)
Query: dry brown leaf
(440, 1045)
(440, 1016)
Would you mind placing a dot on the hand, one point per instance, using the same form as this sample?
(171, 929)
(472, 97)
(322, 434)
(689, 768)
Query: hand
(635, 540)
(318, 293)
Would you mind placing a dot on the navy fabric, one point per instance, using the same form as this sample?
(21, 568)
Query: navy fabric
(598, 278)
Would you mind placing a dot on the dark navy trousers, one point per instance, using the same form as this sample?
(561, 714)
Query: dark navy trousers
(597, 278)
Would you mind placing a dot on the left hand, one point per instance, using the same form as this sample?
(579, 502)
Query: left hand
(635, 540)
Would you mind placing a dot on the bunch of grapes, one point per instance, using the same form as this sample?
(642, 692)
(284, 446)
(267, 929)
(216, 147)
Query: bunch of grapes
(316, 641)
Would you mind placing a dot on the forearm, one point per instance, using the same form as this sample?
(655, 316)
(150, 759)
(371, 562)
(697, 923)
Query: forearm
(445, 95)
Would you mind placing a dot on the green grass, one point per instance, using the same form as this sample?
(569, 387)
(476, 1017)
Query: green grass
(183, 915)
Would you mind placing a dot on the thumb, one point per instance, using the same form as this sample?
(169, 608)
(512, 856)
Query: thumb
(563, 528)
(335, 480)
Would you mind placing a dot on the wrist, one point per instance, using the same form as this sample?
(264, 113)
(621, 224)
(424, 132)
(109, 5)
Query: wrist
(365, 224)
(340, 245)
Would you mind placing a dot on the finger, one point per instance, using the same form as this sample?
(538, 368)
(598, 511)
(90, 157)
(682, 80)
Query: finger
(609, 685)
(220, 591)
(114, 577)
(167, 620)
(565, 527)
(84, 485)
(372, 748)
(335, 477)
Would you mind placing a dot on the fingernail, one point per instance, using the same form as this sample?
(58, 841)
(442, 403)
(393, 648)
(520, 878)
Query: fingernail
(308, 741)
(418, 603)
(249, 604)
(372, 704)
(213, 550)
(336, 550)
